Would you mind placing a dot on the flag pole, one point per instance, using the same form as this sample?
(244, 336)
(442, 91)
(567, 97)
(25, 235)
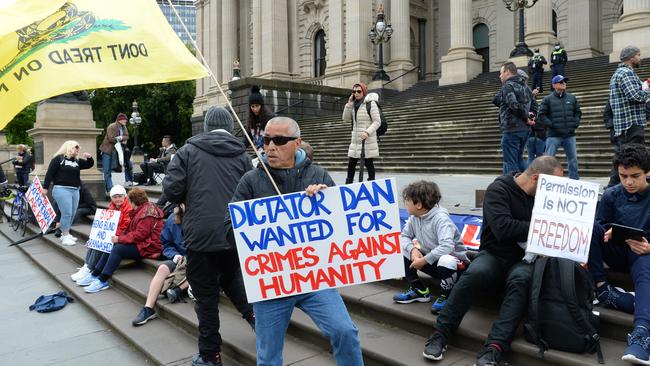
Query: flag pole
(211, 74)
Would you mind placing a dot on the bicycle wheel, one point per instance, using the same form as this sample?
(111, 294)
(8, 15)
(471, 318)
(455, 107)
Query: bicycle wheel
(25, 217)
(15, 215)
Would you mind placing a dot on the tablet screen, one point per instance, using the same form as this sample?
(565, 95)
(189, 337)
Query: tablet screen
(620, 233)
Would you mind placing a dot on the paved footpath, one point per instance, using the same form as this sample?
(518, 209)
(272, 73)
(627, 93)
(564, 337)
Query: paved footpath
(71, 336)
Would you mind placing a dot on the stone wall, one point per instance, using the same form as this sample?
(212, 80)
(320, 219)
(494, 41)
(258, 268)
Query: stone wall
(285, 98)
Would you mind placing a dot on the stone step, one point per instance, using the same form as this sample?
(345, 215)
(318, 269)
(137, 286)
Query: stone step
(400, 326)
(162, 343)
(124, 299)
(375, 300)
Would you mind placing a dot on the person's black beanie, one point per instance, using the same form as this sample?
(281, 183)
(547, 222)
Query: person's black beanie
(255, 97)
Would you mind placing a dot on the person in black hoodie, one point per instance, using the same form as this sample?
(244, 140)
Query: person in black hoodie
(22, 164)
(507, 210)
(64, 173)
(203, 175)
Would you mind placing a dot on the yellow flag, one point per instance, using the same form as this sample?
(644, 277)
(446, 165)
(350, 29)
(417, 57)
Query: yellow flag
(15, 14)
(87, 44)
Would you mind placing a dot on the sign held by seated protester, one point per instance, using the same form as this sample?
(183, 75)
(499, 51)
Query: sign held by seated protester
(40, 205)
(563, 217)
(103, 229)
(295, 244)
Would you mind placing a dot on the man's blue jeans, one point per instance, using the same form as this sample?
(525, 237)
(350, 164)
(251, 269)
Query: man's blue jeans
(535, 147)
(325, 308)
(106, 168)
(621, 258)
(569, 146)
(513, 144)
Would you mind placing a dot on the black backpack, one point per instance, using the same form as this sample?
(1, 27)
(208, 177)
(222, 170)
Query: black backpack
(560, 312)
(383, 127)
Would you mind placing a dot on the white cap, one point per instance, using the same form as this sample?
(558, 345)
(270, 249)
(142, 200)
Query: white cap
(118, 189)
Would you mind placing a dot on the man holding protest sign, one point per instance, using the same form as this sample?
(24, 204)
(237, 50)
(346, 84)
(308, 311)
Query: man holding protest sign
(507, 211)
(206, 189)
(293, 172)
(627, 203)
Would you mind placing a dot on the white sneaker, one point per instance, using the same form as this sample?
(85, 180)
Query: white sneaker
(72, 237)
(81, 273)
(67, 240)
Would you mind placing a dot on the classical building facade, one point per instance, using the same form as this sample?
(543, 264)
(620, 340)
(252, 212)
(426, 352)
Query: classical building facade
(325, 42)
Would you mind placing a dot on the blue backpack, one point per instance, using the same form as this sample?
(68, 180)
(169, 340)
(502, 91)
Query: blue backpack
(49, 303)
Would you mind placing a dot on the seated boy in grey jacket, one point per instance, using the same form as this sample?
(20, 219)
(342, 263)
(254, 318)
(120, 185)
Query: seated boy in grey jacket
(430, 243)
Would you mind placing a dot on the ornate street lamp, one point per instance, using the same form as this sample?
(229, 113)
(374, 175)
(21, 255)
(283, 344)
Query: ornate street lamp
(379, 34)
(135, 120)
(521, 48)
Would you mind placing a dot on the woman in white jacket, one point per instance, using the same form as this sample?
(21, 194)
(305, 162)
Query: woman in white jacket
(364, 127)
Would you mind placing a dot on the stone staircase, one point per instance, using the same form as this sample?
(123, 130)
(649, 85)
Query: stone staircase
(391, 334)
(454, 129)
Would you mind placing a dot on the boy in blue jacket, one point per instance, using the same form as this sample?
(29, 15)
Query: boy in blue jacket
(627, 203)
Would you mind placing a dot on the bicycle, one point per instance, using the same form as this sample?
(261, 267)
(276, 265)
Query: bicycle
(20, 211)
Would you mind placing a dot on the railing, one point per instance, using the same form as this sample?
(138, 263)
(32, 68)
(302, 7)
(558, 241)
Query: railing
(289, 106)
(409, 71)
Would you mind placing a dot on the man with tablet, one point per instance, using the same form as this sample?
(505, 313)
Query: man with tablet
(625, 211)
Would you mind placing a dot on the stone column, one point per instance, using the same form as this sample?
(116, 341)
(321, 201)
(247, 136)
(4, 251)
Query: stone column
(583, 30)
(461, 64)
(256, 10)
(632, 28)
(57, 122)
(199, 42)
(200, 100)
(228, 38)
(539, 27)
(214, 39)
(359, 63)
(275, 40)
(400, 50)
(506, 31)
(335, 42)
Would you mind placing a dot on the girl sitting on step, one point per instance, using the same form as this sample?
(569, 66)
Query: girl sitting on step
(141, 240)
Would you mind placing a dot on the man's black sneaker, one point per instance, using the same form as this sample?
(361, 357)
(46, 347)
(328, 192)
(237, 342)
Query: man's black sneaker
(57, 233)
(435, 346)
(489, 356)
(144, 316)
(197, 360)
(174, 294)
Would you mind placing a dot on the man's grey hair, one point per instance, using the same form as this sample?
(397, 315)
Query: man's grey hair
(294, 129)
(544, 164)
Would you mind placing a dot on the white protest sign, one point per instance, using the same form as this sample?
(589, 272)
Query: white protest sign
(563, 218)
(103, 229)
(41, 207)
(293, 244)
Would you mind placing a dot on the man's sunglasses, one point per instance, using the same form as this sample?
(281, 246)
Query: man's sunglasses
(278, 140)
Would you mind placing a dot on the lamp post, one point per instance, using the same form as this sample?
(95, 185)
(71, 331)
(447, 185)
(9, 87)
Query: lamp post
(521, 48)
(135, 120)
(379, 34)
